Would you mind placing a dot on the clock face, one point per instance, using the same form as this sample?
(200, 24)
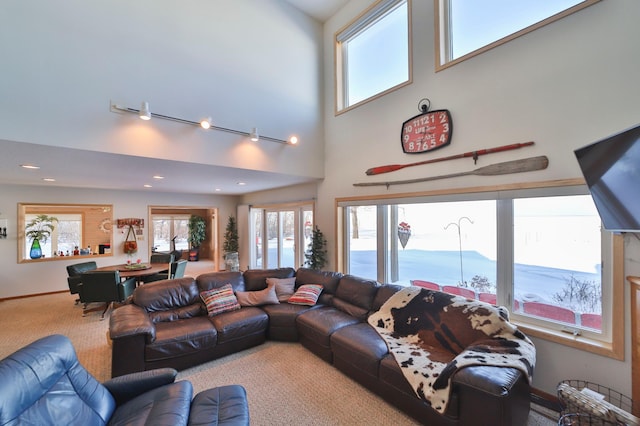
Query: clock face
(426, 132)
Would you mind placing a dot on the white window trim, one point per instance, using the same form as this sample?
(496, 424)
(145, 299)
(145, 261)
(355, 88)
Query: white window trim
(610, 343)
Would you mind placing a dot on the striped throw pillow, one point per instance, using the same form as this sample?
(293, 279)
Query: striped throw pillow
(219, 300)
(306, 294)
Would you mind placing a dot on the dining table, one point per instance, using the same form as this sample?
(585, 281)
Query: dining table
(137, 270)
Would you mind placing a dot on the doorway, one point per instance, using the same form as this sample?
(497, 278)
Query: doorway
(168, 230)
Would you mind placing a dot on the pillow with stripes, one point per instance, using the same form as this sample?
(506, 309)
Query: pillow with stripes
(219, 300)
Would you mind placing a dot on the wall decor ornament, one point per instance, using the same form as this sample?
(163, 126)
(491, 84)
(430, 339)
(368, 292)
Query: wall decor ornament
(130, 242)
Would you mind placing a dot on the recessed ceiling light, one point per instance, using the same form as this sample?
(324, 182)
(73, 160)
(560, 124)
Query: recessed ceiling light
(29, 166)
(158, 177)
(48, 179)
(242, 183)
(146, 185)
(218, 189)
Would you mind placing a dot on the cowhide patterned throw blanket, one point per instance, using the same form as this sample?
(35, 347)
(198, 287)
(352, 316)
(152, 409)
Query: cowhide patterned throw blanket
(433, 334)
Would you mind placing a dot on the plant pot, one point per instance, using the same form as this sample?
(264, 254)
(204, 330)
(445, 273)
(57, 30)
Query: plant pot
(194, 254)
(232, 262)
(36, 250)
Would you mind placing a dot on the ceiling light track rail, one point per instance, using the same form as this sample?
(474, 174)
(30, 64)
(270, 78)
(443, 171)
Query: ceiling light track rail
(145, 114)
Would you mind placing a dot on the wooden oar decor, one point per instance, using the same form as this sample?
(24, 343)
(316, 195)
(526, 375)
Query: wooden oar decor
(508, 167)
(474, 154)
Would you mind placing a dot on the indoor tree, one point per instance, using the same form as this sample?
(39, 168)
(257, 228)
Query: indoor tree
(230, 246)
(197, 234)
(316, 253)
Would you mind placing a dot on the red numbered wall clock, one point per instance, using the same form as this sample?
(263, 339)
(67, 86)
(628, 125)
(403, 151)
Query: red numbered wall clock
(426, 132)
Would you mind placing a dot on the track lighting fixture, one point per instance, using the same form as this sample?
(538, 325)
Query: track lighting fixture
(145, 113)
(206, 123)
(254, 135)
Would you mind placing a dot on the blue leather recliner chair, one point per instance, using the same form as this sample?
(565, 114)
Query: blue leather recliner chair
(44, 384)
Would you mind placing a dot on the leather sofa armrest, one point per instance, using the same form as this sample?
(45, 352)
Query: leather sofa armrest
(131, 320)
(127, 387)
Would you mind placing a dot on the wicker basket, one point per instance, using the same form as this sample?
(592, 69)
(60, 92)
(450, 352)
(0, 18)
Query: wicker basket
(577, 410)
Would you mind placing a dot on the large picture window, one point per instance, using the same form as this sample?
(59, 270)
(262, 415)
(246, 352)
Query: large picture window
(541, 252)
(372, 53)
(465, 28)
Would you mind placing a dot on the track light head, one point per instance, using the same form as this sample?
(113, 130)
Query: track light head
(254, 135)
(145, 114)
(205, 123)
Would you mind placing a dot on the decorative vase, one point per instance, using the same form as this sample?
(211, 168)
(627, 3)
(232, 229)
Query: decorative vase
(232, 262)
(36, 250)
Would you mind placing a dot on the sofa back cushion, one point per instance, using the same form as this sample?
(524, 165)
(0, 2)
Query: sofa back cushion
(169, 300)
(256, 279)
(355, 296)
(327, 279)
(385, 291)
(212, 280)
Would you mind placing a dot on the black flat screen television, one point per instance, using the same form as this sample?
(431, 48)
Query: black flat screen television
(611, 168)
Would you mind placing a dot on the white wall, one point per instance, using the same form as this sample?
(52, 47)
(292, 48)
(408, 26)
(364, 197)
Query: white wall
(19, 279)
(563, 86)
(245, 63)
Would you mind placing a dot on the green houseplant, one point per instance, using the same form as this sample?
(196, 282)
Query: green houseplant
(38, 230)
(316, 254)
(197, 234)
(230, 246)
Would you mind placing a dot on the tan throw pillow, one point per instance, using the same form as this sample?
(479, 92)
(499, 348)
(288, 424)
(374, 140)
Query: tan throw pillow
(258, 298)
(284, 287)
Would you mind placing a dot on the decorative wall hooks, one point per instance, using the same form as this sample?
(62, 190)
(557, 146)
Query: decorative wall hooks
(145, 114)
(3, 228)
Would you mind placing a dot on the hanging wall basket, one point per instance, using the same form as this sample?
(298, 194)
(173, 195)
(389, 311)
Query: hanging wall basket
(130, 242)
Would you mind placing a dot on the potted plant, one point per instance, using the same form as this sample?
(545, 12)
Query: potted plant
(316, 253)
(38, 231)
(230, 246)
(197, 234)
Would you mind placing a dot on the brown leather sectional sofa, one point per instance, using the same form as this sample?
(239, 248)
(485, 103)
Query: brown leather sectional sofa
(166, 325)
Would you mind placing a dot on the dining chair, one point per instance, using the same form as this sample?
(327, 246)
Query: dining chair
(104, 287)
(167, 258)
(177, 270)
(75, 272)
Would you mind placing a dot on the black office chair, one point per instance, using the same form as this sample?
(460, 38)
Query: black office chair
(104, 287)
(75, 272)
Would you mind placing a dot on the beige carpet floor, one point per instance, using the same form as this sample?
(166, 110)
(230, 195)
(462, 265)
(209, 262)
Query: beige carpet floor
(285, 383)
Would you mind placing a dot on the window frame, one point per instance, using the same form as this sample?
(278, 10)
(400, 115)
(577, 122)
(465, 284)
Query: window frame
(609, 343)
(442, 32)
(299, 210)
(363, 21)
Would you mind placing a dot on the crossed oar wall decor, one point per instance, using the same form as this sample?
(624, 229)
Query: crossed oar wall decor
(508, 167)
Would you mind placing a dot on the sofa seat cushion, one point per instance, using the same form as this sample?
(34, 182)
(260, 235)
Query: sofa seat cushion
(319, 324)
(240, 324)
(181, 337)
(166, 405)
(360, 346)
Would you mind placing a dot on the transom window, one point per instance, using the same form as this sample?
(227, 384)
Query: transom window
(541, 252)
(466, 28)
(372, 53)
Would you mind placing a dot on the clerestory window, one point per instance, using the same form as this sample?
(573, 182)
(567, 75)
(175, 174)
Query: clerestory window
(465, 28)
(372, 54)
